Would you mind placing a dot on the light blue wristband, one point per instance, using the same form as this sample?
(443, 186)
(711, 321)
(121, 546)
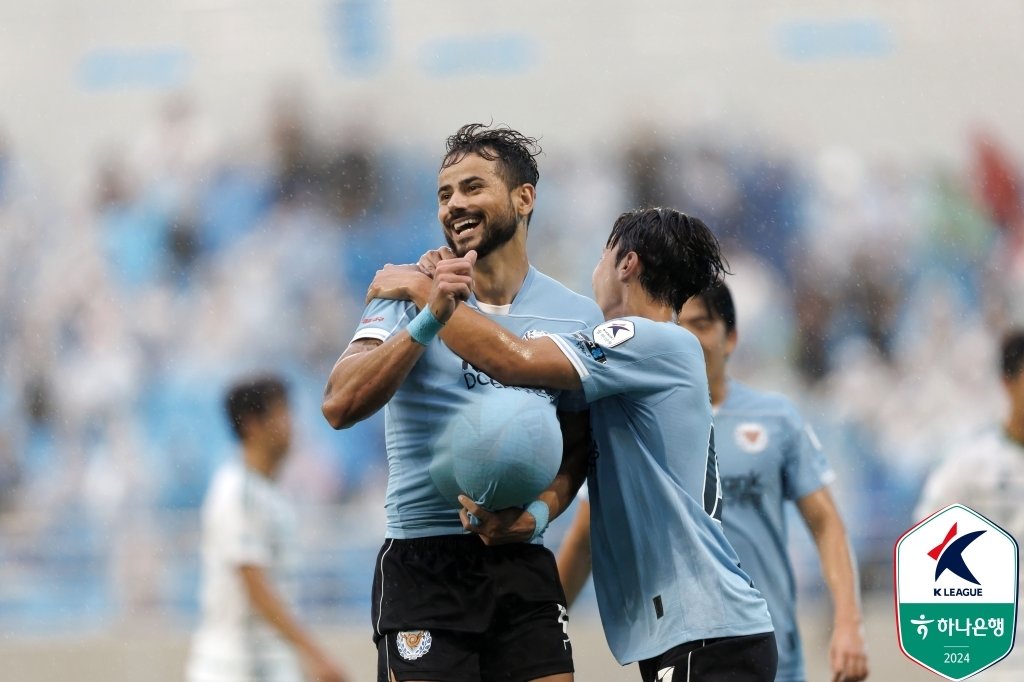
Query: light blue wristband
(540, 512)
(424, 327)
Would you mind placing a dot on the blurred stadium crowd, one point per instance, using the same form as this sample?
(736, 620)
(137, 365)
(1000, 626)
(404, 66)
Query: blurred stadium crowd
(872, 291)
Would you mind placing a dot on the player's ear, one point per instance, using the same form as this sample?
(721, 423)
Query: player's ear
(629, 266)
(731, 338)
(523, 198)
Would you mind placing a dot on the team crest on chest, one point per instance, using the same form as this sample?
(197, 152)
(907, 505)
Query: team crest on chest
(752, 437)
(413, 644)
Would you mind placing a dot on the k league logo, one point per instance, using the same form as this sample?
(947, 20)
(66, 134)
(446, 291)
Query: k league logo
(956, 592)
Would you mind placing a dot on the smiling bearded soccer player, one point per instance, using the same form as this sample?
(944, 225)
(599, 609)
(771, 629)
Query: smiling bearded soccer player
(446, 606)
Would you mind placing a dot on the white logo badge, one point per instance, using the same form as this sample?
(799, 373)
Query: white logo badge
(665, 674)
(413, 645)
(613, 333)
(751, 437)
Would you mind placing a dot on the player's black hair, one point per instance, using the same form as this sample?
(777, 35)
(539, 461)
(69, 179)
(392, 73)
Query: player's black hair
(1013, 353)
(253, 397)
(515, 153)
(680, 255)
(718, 300)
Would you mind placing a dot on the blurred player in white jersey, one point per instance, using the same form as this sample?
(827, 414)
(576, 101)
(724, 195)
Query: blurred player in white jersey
(248, 630)
(987, 475)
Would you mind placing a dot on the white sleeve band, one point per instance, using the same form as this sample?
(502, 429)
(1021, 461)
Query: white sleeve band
(372, 333)
(570, 354)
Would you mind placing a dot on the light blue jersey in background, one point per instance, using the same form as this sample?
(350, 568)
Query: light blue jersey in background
(449, 422)
(767, 456)
(664, 572)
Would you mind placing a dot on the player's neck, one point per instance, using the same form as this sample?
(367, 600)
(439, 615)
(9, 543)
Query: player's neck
(635, 302)
(498, 278)
(257, 460)
(1014, 428)
(719, 388)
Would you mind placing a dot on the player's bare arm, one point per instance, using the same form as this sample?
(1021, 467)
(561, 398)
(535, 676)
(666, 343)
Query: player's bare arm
(369, 372)
(272, 607)
(847, 650)
(574, 555)
(486, 345)
(366, 376)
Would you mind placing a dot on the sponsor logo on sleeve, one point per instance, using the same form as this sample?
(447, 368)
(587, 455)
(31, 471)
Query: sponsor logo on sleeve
(614, 333)
(590, 348)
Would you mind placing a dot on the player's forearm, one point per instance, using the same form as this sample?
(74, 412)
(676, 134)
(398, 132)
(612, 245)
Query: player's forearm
(839, 571)
(272, 608)
(365, 379)
(505, 357)
(487, 346)
(577, 449)
(574, 556)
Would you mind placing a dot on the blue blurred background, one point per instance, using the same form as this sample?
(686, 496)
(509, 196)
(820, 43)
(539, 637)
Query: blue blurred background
(190, 190)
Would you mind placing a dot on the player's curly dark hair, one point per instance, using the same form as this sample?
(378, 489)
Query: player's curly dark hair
(253, 397)
(1013, 353)
(680, 255)
(515, 153)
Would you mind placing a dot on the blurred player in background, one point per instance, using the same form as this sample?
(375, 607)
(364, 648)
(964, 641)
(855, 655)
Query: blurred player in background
(988, 476)
(248, 629)
(445, 605)
(671, 593)
(766, 456)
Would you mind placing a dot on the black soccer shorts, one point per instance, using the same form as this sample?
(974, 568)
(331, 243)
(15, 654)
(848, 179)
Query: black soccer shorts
(451, 608)
(750, 658)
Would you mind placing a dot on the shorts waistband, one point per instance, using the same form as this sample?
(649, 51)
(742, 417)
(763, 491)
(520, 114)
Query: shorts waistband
(461, 540)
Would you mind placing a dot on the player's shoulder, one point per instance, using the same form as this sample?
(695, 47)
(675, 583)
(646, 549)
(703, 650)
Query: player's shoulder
(377, 308)
(226, 487)
(744, 398)
(977, 450)
(557, 298)
(650, 335)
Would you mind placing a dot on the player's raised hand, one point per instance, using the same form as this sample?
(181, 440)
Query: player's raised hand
(428, 261)
(453, 282)
(399, 283)
(847, 654)
(497, 528)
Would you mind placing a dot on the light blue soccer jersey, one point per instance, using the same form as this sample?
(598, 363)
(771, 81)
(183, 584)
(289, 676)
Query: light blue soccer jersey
(664, 572)
(449, 422)
(766, 456)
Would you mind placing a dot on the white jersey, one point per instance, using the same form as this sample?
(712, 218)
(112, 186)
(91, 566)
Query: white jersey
(987, 475)
(246, 522)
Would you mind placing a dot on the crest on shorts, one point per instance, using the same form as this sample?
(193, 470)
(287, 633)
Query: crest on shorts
(413, 644)
(752, 437)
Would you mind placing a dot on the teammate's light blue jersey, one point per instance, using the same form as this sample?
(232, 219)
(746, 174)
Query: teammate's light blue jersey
(450, 421)
(663, 571)
(766, 456)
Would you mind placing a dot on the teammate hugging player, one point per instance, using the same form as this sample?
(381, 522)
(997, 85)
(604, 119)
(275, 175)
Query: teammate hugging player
(669, 586)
